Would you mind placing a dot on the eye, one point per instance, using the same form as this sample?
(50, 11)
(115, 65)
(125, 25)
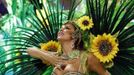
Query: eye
(67, 28)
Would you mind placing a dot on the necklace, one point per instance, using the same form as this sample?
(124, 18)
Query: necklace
(73, 55)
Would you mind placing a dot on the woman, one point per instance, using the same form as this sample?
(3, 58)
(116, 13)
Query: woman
(74, 60)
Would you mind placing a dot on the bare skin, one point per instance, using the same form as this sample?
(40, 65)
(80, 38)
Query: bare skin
(95, 65)
(66, 40)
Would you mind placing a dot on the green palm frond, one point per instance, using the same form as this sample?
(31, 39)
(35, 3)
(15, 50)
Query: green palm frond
(108, 16)
(111, 17)
(39, 31)
(55, 16)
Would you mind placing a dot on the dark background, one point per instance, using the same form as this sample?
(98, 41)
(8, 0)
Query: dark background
(3, 9)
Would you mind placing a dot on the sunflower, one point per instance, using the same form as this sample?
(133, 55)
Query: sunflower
(51, 46)
(85, 23)
(104, 47)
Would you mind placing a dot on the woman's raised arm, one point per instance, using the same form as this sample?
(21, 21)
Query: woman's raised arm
(43, 55)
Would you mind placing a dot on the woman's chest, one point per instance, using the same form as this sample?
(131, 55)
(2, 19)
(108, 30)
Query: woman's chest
(73, 65)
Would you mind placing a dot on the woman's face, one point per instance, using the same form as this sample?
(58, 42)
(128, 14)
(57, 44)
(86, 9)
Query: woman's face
(65, 34)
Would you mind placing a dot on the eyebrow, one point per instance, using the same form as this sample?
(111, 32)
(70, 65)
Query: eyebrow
(66, 26)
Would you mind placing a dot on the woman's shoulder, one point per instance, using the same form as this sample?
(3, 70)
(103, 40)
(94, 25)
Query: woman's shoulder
(84, 53)
(89, 55)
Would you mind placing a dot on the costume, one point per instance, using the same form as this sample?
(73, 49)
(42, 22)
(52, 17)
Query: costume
(107, 33)
(76, 54)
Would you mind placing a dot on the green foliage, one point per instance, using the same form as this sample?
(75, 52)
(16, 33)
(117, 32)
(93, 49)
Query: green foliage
(27, 29)
(40, 30)
(116, 18)
(48, 71)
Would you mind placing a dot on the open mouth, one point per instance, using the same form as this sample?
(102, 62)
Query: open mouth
(60, 33)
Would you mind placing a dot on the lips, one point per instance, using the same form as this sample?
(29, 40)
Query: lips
(60, 33)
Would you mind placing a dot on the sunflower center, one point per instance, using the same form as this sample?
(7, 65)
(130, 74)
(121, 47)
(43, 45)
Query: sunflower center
(105, 47)
(85, 22)
(52, 48)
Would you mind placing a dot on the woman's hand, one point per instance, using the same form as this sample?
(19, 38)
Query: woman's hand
(51, 58)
